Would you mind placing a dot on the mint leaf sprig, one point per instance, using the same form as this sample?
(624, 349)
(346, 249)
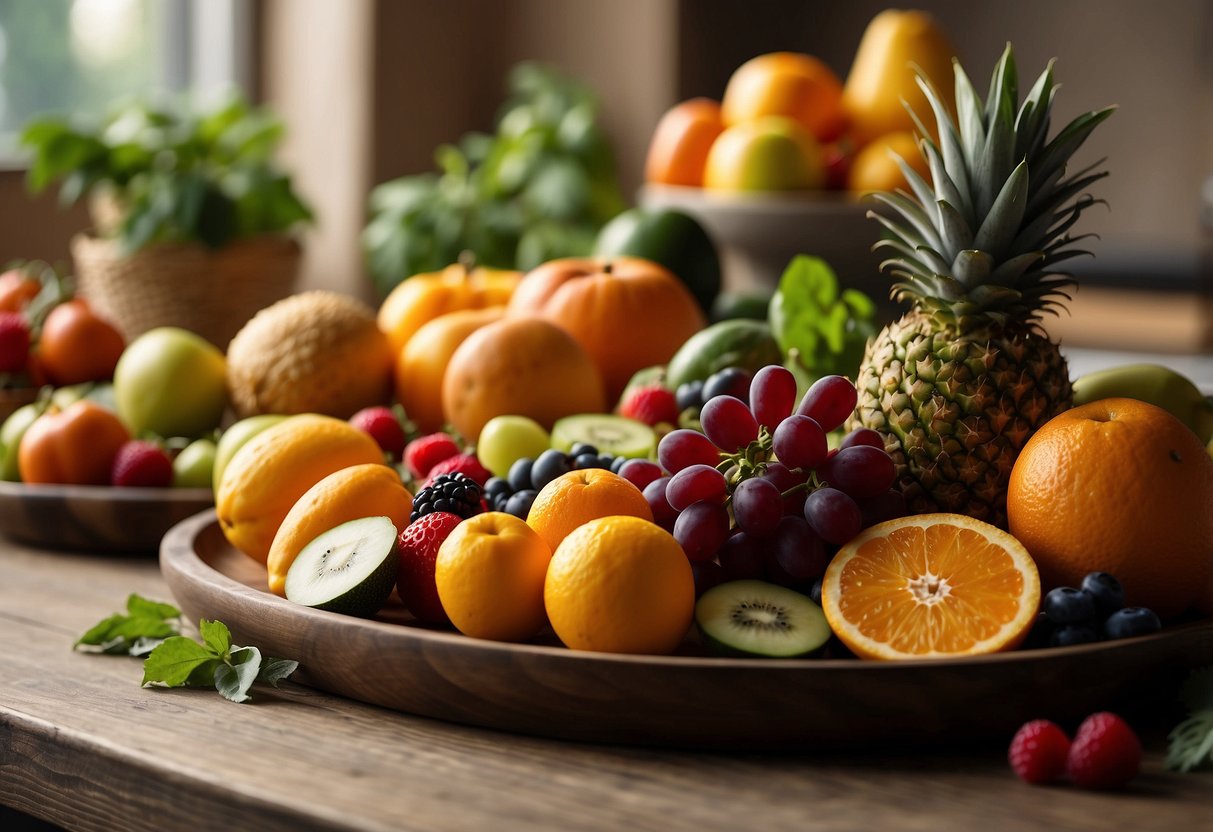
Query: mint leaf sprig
(1191, 743)
(145, 624)
(182, 662)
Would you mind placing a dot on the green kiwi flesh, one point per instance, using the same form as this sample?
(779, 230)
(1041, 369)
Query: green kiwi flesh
(754, 618)
(350, 569)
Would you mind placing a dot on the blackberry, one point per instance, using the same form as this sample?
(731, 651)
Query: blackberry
(456, 493)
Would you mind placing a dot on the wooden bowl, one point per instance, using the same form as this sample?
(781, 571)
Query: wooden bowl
(682, 701)
(95, 518)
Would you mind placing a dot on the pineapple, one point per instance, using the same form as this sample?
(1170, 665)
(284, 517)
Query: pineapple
(961, 381)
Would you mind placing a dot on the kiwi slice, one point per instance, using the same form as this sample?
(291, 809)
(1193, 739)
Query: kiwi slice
(349, 569)
(754, 618)
(614, 435)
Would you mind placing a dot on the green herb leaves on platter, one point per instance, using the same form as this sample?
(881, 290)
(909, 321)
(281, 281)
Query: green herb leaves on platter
(152, 629)
(1191, 743)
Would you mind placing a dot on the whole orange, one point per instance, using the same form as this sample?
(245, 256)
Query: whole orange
(77, 345)
(620, 585)
(875, 169)
(75, 446)
(681, 141)
(627, 313)
(1118, 486)
(525, 366)
(790, 84)
(579, 497)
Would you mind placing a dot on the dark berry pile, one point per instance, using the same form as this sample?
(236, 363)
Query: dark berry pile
(1095, 611)
(455, 493)
(515, 492)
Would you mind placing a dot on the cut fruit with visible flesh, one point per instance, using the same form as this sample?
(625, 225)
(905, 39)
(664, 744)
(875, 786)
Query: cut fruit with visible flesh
(754, 618)
(615, 435)
(931, 586)
(351, 568)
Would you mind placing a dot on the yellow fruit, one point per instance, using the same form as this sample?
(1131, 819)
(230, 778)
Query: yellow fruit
(489, 574)
(316, 352)
(581, 496)
(270, 472)
(928, 586)
(620, 585)
(368, 490)
(875, 169)
(772, 153)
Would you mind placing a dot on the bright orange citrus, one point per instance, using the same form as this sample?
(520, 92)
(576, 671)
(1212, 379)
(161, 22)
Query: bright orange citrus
(930, 586)
(875, 169)
(790, 84)
(579, 497)
(681, 142)
(620, 585)
(1118, 486)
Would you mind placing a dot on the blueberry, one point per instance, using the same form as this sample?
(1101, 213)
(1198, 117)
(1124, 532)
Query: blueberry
(497, 486)
(501, 501)
(815, 591)
(520, 503)
(1131, 621)
(1067, 605)
(580, 448)
(548, 466)
(1106, 591)
(731, 381)
(1072, 634)
(583, 461)
(520, 474)
(612, 463)
(689, 394)
(1040, 634)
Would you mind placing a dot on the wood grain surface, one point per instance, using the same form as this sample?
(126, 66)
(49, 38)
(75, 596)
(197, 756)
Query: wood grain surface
(82, 745)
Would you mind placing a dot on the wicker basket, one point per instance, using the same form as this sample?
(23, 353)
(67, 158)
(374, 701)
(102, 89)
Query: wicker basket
(211, 292)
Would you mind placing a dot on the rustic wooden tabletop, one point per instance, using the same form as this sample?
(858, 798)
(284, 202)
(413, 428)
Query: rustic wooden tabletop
(83, 746)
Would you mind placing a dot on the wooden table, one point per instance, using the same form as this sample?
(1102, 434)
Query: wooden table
(82, 745)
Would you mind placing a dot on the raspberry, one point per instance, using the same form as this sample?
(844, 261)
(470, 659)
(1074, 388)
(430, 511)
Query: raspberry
(454, 493)
(14, 342)
(419, 544)
(1038, 752)
(1105, 754)
(424, 453)
(383, 426)
(652, 405)
(466, 464)
(142, 463)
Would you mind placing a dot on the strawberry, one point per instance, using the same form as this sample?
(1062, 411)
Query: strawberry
(1038, 752)
(1105, 754)
(142, 463)
(652, 405)
(383, 426)
(418, 545)
(425, 452)
(14, 342)
(461, 464)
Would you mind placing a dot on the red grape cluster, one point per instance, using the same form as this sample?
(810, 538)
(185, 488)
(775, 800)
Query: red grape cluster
(759, 494)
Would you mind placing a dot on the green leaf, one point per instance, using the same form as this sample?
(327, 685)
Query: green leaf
(138, 605)
(234, 678)
(120, 633)
(274, 670)
(178, 661)
(216, 637)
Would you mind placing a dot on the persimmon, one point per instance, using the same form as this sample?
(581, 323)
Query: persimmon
(74, 446)
(78, 345)
(681, 141)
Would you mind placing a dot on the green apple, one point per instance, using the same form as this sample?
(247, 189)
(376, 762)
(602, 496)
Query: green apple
(505, 439)
(671, 238)
(194, 467)
(101, 392)
(11, 431)
(171, 382)
(772, 153)
(234, 438)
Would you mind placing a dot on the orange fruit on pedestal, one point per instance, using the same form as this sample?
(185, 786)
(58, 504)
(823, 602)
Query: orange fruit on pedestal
(620, 585)
(489, 574)
(579, 497)
(931, 586)
(1118, 486)
(875, 169)
(790, 84)
(681, 141)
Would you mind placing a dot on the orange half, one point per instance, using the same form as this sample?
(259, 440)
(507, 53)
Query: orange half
(931, 586)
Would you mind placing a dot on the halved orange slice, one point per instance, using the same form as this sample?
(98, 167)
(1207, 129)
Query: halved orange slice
(931, 586)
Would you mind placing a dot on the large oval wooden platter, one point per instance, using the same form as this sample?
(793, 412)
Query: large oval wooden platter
(96, 518)
(682, 701)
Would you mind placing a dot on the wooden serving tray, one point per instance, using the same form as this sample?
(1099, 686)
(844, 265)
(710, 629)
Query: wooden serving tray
(681, 701)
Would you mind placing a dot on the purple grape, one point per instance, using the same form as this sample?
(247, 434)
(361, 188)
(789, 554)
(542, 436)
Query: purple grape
(741, 557)
(795, 555)
(731, 381)
(683, 448)
(799, 442)
(707, 574)
(691, 485)
(860, 470)
(830, 401)
(757, 506)
(833, 515)
(887, 506)
(862, 436)
(664, 514)
(786, 479)
(728, 423)
(772, 395)
(640, 472)
(701, 529)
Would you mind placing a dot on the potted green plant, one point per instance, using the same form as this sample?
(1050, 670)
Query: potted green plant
(193, 220)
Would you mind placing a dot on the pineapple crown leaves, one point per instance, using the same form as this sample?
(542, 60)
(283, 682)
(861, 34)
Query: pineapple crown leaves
(986, 236)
